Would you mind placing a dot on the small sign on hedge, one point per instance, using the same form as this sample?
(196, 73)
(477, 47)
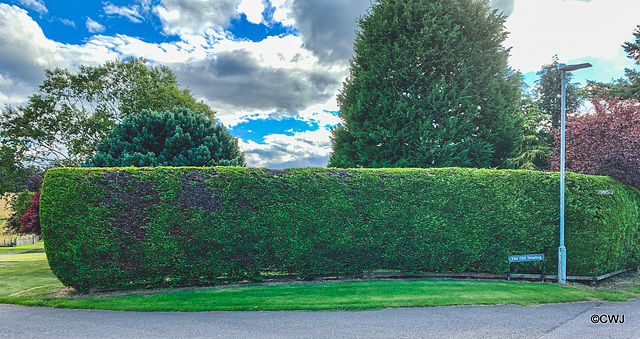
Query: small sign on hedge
(526, 257)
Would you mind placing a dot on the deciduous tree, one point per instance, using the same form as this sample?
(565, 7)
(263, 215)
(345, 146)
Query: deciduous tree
(30, 221)
(18, 204)
(72, 112)
(604, 143)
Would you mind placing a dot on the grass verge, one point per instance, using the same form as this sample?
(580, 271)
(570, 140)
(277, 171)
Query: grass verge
(26, 279)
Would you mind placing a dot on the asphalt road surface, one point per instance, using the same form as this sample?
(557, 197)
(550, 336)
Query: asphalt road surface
(574, 320)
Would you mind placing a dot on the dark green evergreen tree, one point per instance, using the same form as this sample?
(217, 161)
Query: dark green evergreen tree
(537, 139)
(173, 138)
(548, 91)
(429, 87)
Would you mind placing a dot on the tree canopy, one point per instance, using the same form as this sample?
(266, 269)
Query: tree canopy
(30, 220)
(72, 111)
(537, 141)
(173, 138)
(19, 204)
(429, 86)
(541, 113)
(604, 143)
(548, 91)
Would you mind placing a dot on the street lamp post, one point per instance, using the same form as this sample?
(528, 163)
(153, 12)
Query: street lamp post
(562, 251)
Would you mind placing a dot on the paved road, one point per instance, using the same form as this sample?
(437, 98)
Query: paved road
(544, 321)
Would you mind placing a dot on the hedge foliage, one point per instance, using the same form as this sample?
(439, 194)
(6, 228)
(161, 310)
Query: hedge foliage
(181, 226)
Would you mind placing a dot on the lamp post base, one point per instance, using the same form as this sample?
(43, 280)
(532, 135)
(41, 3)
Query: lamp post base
(562, 265)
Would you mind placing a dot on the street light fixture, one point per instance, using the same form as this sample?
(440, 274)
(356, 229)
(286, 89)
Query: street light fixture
(562, 251)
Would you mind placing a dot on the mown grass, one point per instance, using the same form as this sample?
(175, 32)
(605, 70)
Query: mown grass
(26, 279)
(356, 295)
(32, 248)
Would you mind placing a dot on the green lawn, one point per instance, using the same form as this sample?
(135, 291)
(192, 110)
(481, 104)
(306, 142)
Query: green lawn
(26, 279)
(33, 248)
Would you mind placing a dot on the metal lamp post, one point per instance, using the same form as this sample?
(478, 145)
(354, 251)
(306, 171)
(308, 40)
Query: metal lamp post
(562, 251)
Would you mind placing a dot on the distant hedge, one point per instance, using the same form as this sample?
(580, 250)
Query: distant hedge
(181, 226)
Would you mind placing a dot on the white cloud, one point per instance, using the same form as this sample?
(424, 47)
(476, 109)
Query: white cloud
(13, 91)
(239, 79)
(132, 13)
(252, 9)
(575, 30)
(36, 5)
(195, 16)
(309, 148)
(25, 50)
(68, 22)
(145, 5)
(26, 53)
(94, 26)
(283, 12)
(274, 51)
(321, 114)
(16, 26)
(92, 53)
(164, 53)
(231, 120)
(282, 75)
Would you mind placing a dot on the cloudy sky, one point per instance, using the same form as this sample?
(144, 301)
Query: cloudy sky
(272, 68)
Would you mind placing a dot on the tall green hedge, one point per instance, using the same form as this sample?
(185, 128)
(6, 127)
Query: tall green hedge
(181, 226)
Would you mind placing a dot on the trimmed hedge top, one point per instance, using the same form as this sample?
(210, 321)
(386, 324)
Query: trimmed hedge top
(185, 225)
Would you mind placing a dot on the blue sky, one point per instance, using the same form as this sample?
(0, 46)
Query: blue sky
(272, 68)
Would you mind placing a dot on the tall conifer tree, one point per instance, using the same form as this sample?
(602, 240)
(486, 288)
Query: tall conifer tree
(549, 88)
(429, 87)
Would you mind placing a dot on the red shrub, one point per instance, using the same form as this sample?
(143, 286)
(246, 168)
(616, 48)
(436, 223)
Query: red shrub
(30, 221)
(604, 143)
